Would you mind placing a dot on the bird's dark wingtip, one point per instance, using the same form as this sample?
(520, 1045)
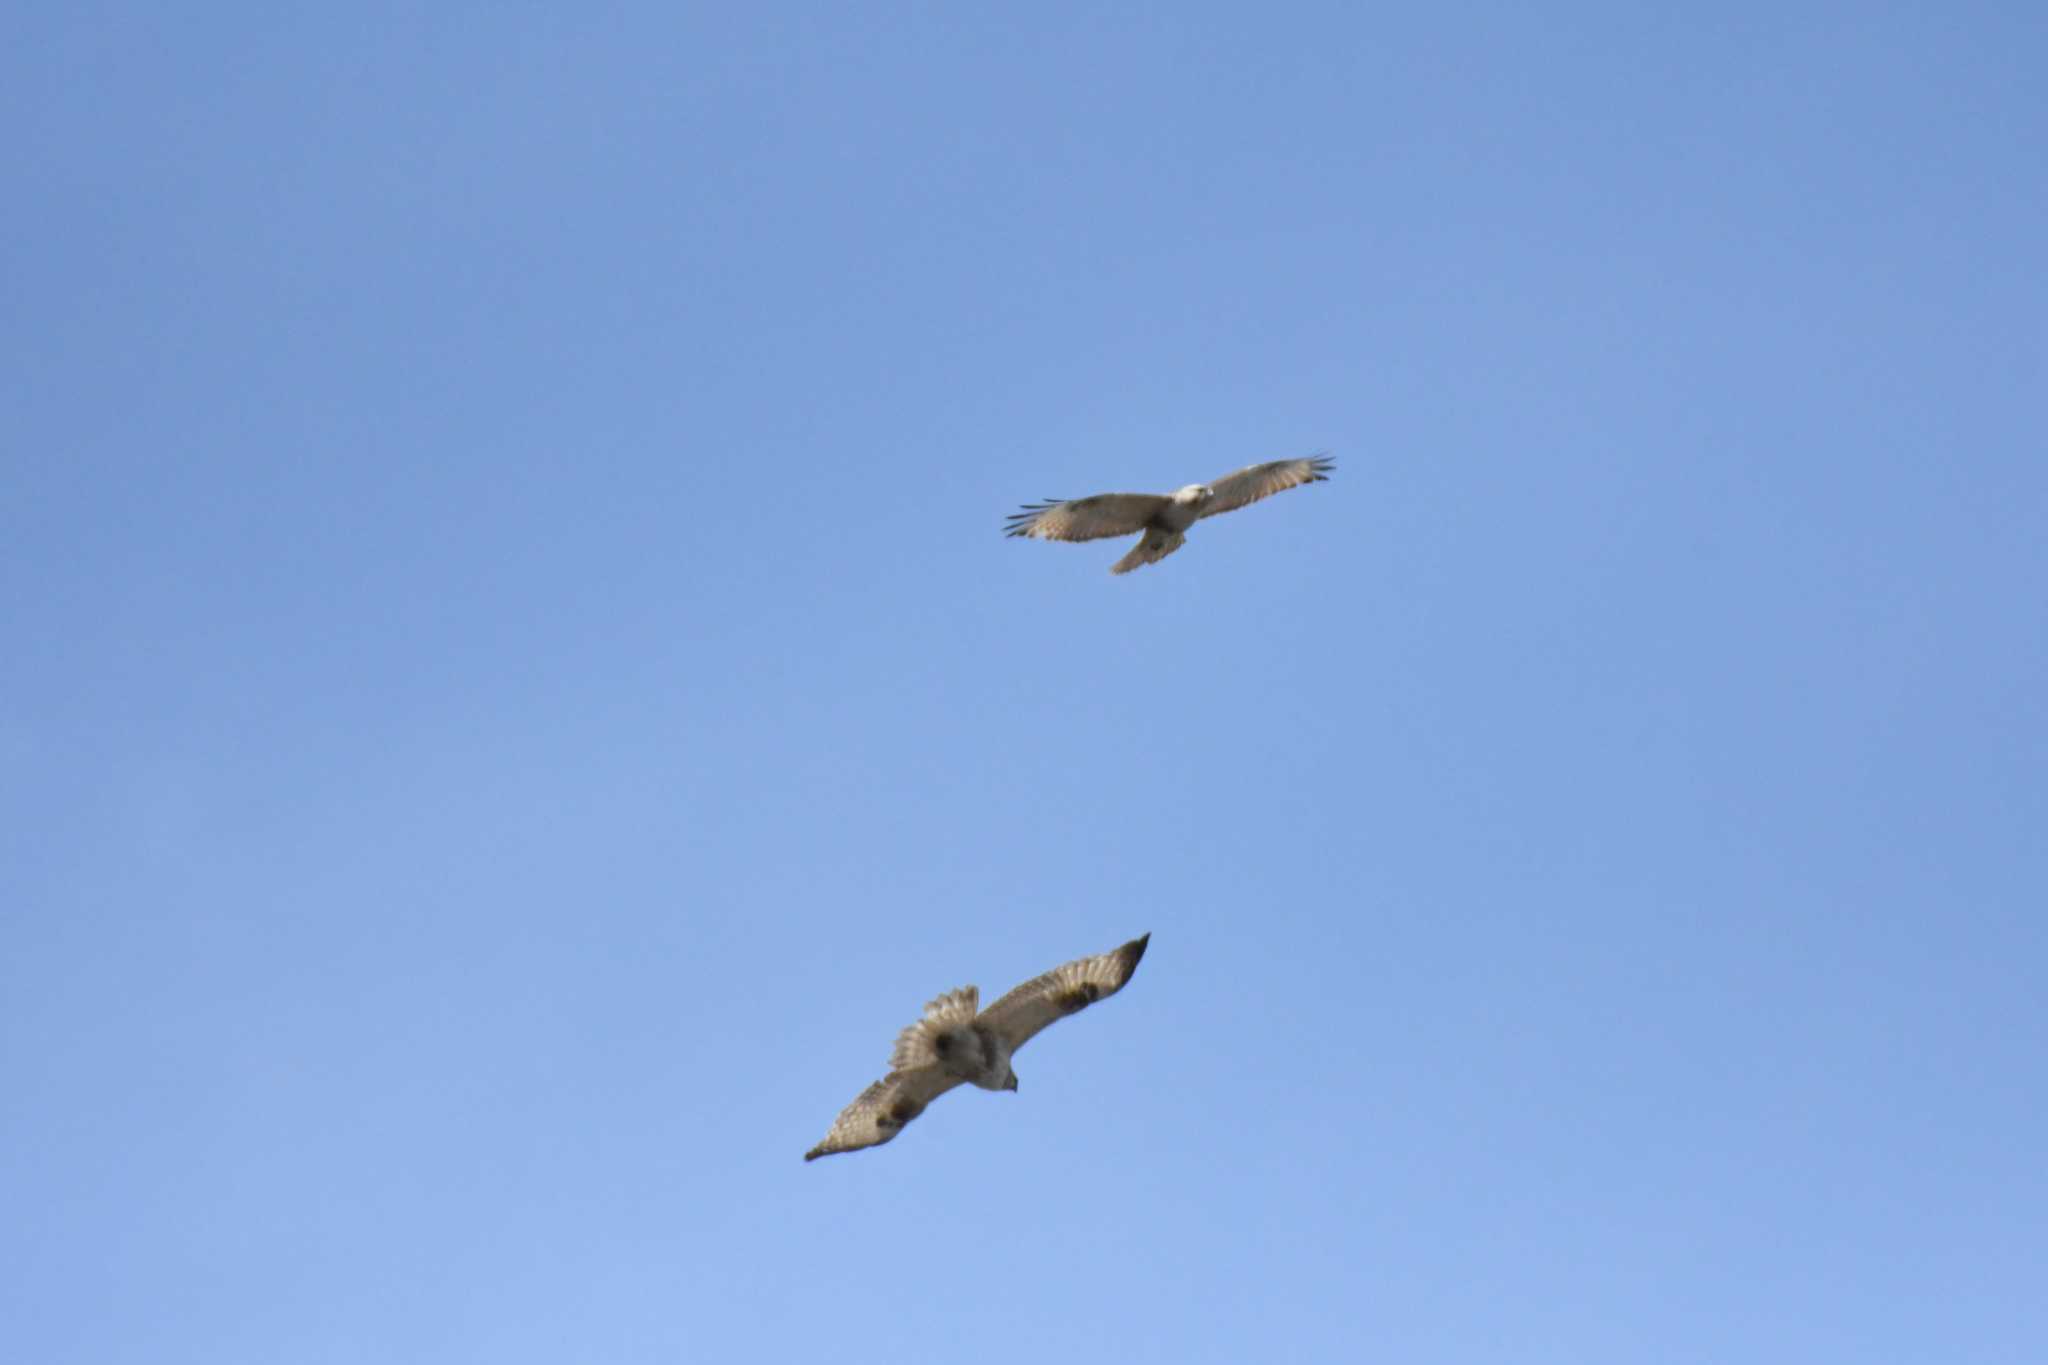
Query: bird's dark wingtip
(1018, 523)
(1134, 952)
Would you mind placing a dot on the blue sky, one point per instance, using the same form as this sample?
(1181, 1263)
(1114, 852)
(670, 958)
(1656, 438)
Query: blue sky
(515, 690)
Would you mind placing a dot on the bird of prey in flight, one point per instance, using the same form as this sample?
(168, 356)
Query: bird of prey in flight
(952, 1044)
(1163, 517)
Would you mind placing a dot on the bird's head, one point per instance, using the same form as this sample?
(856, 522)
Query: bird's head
(1196, 493)
(1010, 1081)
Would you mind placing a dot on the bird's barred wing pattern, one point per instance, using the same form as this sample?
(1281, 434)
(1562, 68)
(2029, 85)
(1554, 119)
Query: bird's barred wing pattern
(924, 1042)
(1257, 481)
(1062, 991)
(1105, 514)
(882, 1110)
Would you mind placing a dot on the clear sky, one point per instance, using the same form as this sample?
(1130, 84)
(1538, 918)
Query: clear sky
(514, 691)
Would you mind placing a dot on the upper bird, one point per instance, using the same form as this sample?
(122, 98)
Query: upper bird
(952, 1044)
(1163, 517)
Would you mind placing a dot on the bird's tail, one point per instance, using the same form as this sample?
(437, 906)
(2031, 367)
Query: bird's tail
(1156, 546)
(921, 1044)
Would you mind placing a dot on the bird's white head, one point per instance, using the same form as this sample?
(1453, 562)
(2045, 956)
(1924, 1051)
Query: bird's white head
(1196, 493)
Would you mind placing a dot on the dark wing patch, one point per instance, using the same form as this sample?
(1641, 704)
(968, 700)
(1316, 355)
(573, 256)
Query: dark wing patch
(1079, 998)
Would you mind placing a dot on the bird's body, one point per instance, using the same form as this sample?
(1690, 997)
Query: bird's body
(1184, 508)
(1164, 518)
(954, 1044)
(952, 1039)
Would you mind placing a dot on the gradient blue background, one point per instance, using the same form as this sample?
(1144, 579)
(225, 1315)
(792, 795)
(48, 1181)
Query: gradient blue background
(513, 690)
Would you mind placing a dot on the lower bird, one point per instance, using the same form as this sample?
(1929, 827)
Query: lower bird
(954, 1045)
(1163, 517)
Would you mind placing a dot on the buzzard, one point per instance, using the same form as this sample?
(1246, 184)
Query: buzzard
(952, 1044)
(1163, 517)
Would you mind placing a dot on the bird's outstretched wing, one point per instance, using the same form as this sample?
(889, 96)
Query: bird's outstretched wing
(1062, 991)
(882, 1110)
(1105, 514)
(1257, 481)
(926, 1042)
